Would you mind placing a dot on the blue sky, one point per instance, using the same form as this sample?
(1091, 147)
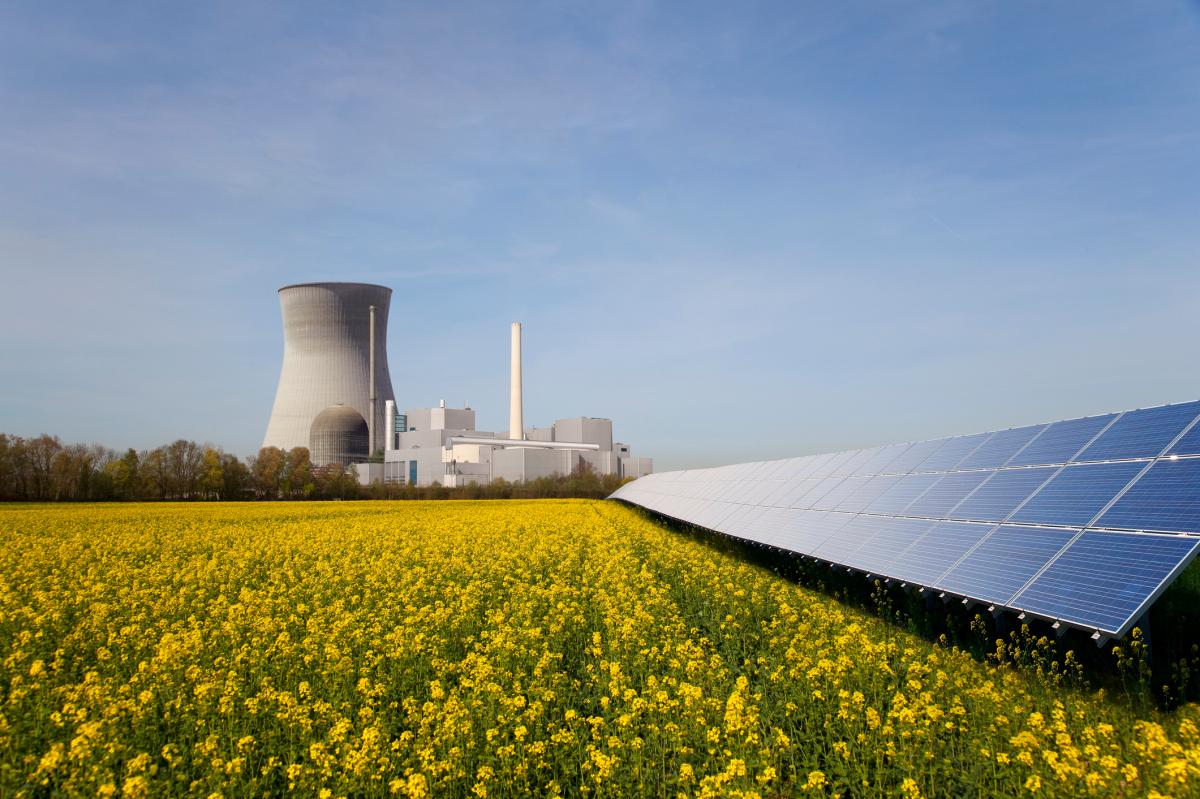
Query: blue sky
(740, 230)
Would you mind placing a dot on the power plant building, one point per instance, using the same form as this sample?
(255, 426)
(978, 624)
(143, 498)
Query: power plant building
(335, 397)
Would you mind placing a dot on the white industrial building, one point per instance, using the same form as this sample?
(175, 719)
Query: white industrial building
(427, 446)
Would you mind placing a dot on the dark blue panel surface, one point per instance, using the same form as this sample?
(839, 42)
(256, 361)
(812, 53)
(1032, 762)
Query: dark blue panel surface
(1005, 490)
(1103, 579)
(1000, 447)
(915, 455)
(1005, 560)
(1077, 494)
(883, 549)
(945, 494)
(936, 551)
(952, 452)
(1141, 434)
(1166, 498)
(903, 490)
(1189, 444)
(1060, 441)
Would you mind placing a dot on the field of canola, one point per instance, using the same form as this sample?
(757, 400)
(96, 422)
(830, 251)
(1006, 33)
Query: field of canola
(498, 649)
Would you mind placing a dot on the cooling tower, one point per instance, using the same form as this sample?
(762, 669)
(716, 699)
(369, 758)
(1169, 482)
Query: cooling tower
(327, 362)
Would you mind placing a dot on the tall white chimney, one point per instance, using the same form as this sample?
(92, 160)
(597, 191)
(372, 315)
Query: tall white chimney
(516, 424)
(389, 425)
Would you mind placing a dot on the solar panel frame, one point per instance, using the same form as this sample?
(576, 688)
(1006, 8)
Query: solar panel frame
(1087, 575)
(943, 550)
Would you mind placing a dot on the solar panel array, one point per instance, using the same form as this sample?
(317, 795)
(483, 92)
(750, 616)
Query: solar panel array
(1083, 521)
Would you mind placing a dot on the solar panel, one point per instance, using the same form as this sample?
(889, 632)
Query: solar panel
(1000, 447)
(1078, 493)
(1060, 441)
(914, 456)
(1083, 521)
(1105, 578)
(902, 491)
(1003, 562)
(952, 489)
(879, 553)
(1142, 433)
(952, 452)
(1167, 498)
(1001, 494)
(941, 546)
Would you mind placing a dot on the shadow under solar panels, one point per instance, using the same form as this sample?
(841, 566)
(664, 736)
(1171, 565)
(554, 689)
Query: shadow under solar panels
(1104, 580)
(1003, 562)
(1166, 498)
(1141, 434)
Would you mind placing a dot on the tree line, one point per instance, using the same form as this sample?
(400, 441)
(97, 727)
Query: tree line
(44, 469)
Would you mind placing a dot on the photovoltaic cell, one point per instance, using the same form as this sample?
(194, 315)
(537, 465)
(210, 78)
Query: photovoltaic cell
(1103, 579)
(1000, 447)
(952, 452)
(1001, 494)
(1060, 441)
(902, 492)
(1166, 498)
(820, 489)
(1077, 494)
(936, 551)
(835, 495)
(841, 546)
(812, 528)
(879, 553)
(915, 455)
(883, 456)
(1189, 444)
(1005, 560)
(1141, 434)
(866, 490)
(937, 502)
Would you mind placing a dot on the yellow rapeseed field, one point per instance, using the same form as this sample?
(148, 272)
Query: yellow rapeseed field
(499, 649)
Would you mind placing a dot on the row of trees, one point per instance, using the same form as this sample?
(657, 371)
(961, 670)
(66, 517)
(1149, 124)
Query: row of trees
(43, 468)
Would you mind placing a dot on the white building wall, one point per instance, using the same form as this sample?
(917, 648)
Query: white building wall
(585, 430)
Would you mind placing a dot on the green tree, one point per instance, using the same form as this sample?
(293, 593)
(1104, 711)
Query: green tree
(267, 472)
(212, 474)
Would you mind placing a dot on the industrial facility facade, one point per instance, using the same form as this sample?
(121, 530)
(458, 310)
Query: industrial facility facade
(335, 397)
